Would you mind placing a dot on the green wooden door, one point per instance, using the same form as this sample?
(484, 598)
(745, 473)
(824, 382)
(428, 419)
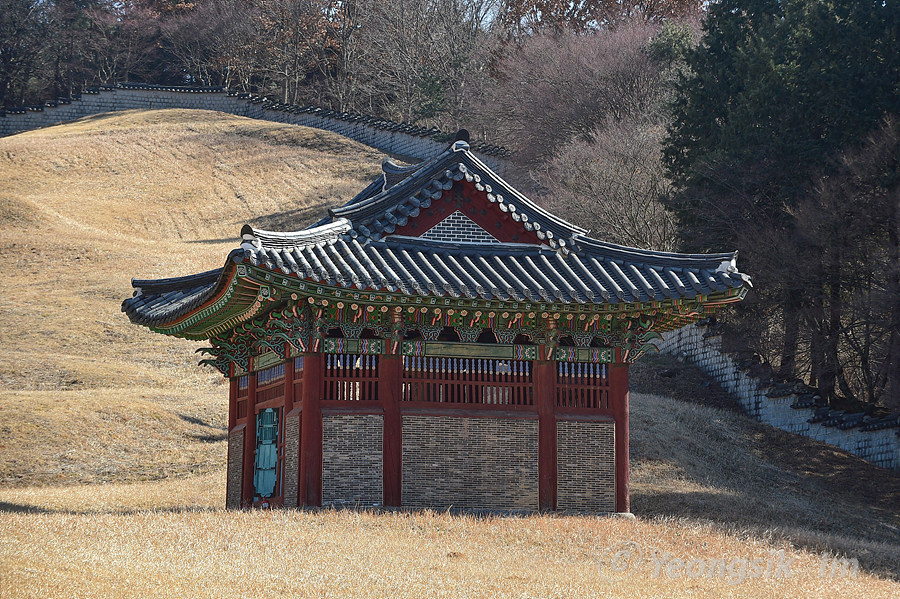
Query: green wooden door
(265, 474)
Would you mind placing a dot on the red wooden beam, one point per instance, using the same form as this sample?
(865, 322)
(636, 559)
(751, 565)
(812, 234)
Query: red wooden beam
(618, 397)
(249, 442)
(390, 370)
(544, 376)
(311, 431)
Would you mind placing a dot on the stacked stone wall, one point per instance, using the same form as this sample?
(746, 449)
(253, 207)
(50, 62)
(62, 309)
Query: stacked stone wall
(757, 398)
(405, 141)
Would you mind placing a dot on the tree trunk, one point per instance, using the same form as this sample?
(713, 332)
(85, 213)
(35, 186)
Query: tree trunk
(892, 359)
(816, 343)
(831, 366)
(791, 311)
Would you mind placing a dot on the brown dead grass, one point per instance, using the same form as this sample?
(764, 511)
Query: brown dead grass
(88, 398)
(103, 541)
(707, 464)
(85, 206)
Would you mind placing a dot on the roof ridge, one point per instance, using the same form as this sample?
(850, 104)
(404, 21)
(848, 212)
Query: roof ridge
(631, 253)
(286, 239)
(172, 283)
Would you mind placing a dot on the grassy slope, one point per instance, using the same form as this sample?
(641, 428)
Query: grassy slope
(87, 397)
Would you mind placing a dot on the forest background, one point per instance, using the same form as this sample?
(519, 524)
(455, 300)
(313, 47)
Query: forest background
(767, 126)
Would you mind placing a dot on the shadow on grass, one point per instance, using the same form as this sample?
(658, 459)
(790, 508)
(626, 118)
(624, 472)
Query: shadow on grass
(19, 508)
(236, 241)
(289, 220)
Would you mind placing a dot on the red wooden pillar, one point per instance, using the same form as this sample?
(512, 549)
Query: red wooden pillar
(618, 396)
(288, 385)
(232, 402)
(544, 377)
(249, 442)
(311, 431)
(390, 374)
(290, 479)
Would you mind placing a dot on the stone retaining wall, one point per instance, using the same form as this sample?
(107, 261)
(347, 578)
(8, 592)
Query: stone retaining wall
(408, 142)
(768, 404)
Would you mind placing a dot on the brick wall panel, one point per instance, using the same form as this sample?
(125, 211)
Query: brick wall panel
(586, 466)
(235, 473)
(291, 458)
(487, 463)
(351, 459)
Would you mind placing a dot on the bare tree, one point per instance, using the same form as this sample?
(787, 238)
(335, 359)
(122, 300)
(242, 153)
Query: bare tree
(21, 32)
(124, 38)
(520, 18)
(558, 87)
(216, 42)
(419, 53)
(612, 183)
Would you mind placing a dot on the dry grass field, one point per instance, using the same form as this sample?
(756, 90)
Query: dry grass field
(111, 439)
(84, 395)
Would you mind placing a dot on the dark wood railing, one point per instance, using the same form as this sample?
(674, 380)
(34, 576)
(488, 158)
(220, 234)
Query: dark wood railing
(582, 386)
(350, 377)
(467, 381)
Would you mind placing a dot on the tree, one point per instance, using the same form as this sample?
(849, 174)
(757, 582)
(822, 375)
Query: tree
(612, 184)
(851, 222)
(519, 18)
(776, 90)
(421, 55)
(124, 42)
(554, 88)
(22, 27)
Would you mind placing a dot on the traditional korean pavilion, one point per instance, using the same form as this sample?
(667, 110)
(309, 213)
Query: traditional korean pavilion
(439, 341)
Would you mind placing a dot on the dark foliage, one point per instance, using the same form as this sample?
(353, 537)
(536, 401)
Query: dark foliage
(777, 91)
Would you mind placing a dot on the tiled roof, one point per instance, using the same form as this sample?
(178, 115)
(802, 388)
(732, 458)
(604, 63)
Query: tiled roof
(379, 213)
(163, 300)
(359, 247)
(598, 273)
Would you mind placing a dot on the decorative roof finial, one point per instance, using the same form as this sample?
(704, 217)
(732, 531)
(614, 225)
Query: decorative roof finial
(461, 141)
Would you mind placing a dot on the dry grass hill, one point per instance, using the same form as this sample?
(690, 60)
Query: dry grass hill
(111, 439)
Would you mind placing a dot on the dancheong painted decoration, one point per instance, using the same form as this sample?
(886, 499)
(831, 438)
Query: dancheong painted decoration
(439, 341)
